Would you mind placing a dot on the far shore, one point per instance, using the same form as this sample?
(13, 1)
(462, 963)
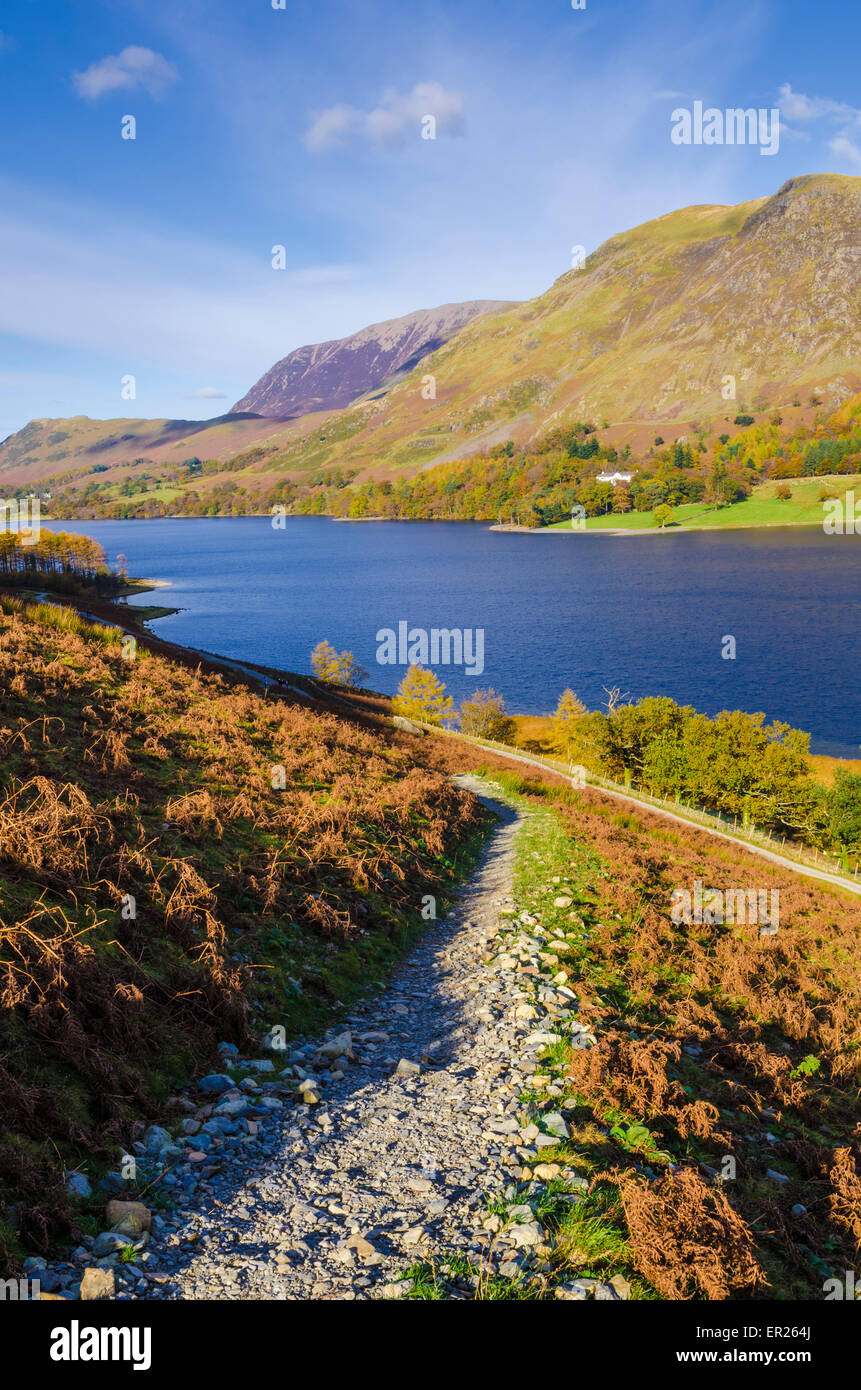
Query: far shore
(673, 529)
(658, 530)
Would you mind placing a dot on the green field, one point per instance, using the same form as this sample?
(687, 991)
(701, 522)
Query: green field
(764, 508)
(163, 492)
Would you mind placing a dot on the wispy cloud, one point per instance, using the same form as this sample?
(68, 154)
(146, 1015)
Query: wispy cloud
(74, 288)
(396, 115)
(846, 149)
(805, 110)
(795, 106)
(134, 67)
(206, 393)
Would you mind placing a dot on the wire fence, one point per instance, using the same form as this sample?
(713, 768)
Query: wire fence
(709, 820)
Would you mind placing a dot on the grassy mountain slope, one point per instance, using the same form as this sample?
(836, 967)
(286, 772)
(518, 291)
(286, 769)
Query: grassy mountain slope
(644, 336)
(646, 331)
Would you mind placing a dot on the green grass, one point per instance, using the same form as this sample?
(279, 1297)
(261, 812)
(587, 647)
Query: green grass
(763, 508)
(161, 493)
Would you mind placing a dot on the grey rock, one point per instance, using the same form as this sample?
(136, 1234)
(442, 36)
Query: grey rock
(528, 1234)
(556, 1124)
(156, 1139)
(216, 1082)
(109, 1243)
(78, 1185)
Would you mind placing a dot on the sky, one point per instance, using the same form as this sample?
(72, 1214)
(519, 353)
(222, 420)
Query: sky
(282, 123)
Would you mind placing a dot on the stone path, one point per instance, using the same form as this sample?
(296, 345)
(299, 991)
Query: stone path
(393, 1161)
(399, 1139)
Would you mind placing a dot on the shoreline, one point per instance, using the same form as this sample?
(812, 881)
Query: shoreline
(512, 528)
(268, 676)
(657, 530)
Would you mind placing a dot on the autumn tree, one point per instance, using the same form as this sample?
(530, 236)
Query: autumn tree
(421, 695)
(484, 716)
(567, 722)
(663, 515)
(324, 661)
(340, 667)
(349, 671)
(622, 500)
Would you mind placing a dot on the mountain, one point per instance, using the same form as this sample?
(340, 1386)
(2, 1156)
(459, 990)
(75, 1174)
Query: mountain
(325, 376)
(677, 325)
(763, 298)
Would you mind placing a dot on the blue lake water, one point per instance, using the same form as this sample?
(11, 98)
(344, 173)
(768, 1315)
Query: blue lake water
(646, 613)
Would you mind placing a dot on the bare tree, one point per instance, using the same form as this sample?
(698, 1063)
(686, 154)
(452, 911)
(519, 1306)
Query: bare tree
(615, 698)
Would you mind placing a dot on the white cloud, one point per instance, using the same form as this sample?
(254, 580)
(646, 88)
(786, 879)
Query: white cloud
(395, 116)
(332, 125)
(795, 106)
(206, 393)
(134, 67)
(788, 132)
(846, 149)
(134, 296)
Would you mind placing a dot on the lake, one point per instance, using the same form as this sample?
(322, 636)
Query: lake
(646, 613)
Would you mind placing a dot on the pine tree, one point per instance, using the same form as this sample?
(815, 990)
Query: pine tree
(325, 661)
(421, 695)
(566, 722)
(340, 667)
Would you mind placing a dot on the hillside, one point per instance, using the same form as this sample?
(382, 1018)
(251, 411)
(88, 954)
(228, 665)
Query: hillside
(159, 895)
(767, 292)
(641, 342)
(325, 376)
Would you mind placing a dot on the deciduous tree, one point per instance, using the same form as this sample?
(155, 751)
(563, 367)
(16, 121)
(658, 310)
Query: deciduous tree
(484, 716)
(421, 695)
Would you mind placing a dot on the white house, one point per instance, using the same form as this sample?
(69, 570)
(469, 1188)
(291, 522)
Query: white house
(614, 478)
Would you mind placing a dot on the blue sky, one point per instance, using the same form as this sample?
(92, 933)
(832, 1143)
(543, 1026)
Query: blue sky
(301, 127)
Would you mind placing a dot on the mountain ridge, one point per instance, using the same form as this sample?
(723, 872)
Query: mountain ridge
(678, 323)
(326, 376)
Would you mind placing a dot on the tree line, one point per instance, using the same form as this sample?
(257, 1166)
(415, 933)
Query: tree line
(65, 561)
(530, 484)
(733, 764)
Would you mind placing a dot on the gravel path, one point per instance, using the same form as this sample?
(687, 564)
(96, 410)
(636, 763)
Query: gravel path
(394, 1160)
(839, 880)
